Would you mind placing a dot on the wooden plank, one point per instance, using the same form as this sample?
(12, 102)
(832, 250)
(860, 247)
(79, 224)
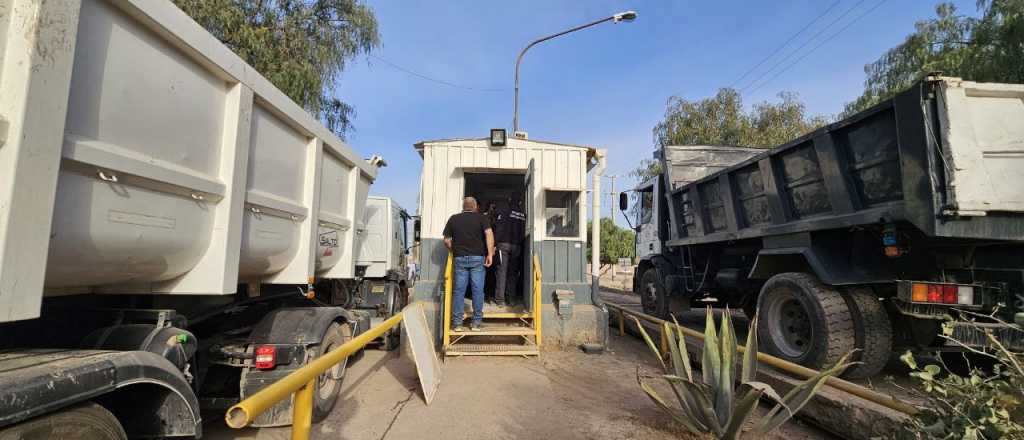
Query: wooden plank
(421, 344)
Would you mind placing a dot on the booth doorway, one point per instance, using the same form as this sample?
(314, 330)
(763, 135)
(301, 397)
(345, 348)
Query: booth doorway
(496, 188)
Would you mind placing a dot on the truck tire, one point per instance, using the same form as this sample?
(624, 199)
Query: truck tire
(653, 295)
(87, 421)
(400, 295)
(328, 385)
(873, 332)
(804, 321)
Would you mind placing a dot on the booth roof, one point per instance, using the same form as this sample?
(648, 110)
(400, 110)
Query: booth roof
(522, 143)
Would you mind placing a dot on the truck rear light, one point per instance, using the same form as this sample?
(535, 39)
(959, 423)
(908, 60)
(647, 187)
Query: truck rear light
(919, 292)
(965, 295)
(949, 294)
(266, 357)
(934, 293)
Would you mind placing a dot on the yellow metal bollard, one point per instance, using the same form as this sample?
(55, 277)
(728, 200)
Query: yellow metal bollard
(302, 411)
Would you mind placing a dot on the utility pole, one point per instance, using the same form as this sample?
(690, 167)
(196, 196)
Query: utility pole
(611, 215)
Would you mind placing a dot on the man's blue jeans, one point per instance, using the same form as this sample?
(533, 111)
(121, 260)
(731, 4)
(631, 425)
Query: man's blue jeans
(468, 269)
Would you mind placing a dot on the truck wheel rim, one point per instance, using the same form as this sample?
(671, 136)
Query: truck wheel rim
(326, 386)
(790, 329)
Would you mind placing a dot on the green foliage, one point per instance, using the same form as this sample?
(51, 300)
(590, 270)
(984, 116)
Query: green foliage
(984, 48)
(722, 120)
(979, 405)
(301, 46)
(645, 170)
(616, 242)
(714, 403)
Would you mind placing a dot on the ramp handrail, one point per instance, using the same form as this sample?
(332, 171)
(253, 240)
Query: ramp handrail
(302, 383)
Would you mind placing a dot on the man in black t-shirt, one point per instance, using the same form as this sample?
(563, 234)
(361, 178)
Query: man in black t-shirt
(468, 235)
(509, 230)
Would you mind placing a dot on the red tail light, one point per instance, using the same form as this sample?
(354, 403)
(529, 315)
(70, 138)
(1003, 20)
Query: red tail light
(941, 293)
(934, 293)
(949, 294)
(266, 357)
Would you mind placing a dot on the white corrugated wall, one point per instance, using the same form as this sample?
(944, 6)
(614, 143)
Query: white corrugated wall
(559, 167)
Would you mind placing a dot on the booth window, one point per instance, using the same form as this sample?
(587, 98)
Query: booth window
(562, 213)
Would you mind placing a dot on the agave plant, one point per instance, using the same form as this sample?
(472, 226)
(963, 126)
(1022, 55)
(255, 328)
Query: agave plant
(715, 403)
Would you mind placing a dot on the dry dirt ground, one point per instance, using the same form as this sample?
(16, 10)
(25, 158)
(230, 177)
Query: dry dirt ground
(561, 395)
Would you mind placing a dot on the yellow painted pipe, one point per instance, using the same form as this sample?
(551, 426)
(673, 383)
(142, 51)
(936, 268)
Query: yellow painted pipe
(244, 412)
(789, 367)
(449, 271)
(302, 411)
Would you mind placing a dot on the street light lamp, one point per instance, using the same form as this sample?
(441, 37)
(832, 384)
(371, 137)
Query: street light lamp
(626, 16)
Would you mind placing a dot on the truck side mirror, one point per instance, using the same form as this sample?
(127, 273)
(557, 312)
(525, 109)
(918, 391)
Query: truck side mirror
(623, 201)
(416, 231)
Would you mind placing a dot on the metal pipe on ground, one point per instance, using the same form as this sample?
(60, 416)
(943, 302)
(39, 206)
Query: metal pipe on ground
(782, 364)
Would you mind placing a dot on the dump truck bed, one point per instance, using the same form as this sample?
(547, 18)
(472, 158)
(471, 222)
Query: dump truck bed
(140, 155)
(943, 155)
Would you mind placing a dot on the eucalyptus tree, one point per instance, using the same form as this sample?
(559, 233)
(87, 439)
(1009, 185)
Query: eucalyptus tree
(301, 46)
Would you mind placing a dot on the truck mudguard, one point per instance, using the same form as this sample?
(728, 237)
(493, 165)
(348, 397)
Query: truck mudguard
(665, 268)
(831, 268)
(299, 325)
(149, 396)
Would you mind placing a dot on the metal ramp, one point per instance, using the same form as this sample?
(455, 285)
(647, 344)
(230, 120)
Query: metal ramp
(505, 331)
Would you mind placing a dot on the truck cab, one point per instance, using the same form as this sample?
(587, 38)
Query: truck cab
(647, 222)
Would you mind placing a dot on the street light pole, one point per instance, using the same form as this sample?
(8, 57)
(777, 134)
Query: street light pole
(622, 16)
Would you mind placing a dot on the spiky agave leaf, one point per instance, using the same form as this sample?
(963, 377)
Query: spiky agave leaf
(748, 371)
(724, 387)
(745, 407)
(673, 347)
(797, 397)
(711, 359)
(690, 403)
(703, 398)
(683, 419)
(683, 351)
(650, 343)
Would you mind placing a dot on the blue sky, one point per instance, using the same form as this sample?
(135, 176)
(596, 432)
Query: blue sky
(605, 86)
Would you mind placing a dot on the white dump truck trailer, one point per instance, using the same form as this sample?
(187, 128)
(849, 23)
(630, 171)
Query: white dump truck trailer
(172, 226)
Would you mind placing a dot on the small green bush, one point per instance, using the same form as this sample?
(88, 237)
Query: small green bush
(978, 405)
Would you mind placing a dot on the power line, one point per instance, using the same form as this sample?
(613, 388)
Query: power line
(805, 55)
(439, 81)
(805, 44)
(790, 40)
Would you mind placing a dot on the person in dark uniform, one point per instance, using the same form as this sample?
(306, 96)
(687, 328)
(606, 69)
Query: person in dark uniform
(509, 230)
(490, 274)
(468, 235)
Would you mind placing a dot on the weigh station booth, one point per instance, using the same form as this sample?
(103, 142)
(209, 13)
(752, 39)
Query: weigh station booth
(551, 180)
